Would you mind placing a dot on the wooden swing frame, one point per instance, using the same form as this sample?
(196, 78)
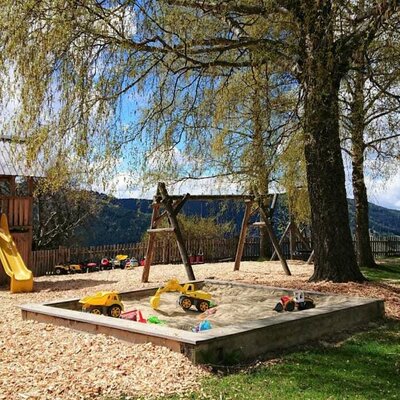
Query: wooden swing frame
(173, 204)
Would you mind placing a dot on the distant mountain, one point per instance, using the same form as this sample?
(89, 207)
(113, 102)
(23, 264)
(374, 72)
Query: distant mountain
(382, 221)
(118, 221)
(126, 220)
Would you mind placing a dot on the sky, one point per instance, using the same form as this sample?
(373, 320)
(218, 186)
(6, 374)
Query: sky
(385, 194)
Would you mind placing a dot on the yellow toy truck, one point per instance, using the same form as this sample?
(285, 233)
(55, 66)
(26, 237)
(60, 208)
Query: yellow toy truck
(189, 297)
(106, 303)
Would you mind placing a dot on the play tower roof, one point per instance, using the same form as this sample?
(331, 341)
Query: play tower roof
(13, 160)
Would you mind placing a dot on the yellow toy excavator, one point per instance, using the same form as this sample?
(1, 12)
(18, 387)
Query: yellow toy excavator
(189, 296)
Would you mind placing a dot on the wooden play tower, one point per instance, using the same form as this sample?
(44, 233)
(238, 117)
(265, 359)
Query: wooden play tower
(16, 196)
(169, 206)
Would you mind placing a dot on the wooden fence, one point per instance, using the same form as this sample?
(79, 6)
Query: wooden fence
(166, 251)
(385, 246)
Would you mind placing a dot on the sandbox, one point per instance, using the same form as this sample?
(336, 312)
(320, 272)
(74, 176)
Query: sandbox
(244, 325)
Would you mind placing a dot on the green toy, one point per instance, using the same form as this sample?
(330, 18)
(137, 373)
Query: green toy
(153, 319)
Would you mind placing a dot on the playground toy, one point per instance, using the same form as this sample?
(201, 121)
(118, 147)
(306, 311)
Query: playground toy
(131, 263)
(13, 264)
(89, 266)
(299, 301)
(62, 269)
(106, 303)
(202, 326)
(133, 315)
(119, 261)
(153, 319)
(208, 313)
(189, 297)
(196, 258)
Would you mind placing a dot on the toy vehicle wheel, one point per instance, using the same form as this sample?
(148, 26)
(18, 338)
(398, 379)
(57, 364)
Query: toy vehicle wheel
(202, 306)
(308, 304)
(185, 302)
(58, 271)
(290, 305)
(95, 310)
(114, 311)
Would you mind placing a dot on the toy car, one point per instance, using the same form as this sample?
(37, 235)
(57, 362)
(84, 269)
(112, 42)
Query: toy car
(131, 263)
(89, 266)
(67, 268)
(118, 262)
(105, 264)
(61, 269)
(106, 303)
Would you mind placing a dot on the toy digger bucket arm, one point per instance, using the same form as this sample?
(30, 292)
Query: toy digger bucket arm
(171, 286)
(155, 302)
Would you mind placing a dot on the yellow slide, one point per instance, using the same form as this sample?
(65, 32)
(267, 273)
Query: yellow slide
(13, 264)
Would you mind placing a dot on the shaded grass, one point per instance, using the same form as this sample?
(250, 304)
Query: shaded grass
(387, 269)
(367, 366)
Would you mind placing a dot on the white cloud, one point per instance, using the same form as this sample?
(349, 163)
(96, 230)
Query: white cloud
(213, 186)
(123, 185)
(381, 190)
(385, 193)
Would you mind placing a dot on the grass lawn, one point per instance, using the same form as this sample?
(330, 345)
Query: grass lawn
(388, 269)
(367, 366)
(364, 366)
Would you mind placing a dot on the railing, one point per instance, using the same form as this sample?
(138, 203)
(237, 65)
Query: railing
(18, 210)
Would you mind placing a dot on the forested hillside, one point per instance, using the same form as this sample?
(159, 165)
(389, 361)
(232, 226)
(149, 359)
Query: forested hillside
(381, 220)
(126, 220)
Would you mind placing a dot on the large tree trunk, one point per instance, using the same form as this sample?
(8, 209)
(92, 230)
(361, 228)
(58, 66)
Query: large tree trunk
(334, 253)
(365, 257)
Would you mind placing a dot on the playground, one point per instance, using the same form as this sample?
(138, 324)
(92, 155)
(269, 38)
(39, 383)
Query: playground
(45, 361)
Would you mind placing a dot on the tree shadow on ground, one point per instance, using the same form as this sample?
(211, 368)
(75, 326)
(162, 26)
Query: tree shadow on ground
(73, 284)
(351, 365)
(383, 271)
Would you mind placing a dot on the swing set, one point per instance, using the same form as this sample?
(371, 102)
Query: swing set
(168, 206)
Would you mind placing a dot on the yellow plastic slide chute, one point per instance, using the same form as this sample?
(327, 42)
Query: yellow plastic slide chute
(13, 264)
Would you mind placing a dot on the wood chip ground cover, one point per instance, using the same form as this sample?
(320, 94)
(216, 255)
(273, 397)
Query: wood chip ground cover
(41, 361)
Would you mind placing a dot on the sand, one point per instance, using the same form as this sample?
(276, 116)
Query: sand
(233, 305)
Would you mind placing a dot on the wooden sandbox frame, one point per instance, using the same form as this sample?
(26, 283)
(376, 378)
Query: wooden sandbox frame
(240, 341)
